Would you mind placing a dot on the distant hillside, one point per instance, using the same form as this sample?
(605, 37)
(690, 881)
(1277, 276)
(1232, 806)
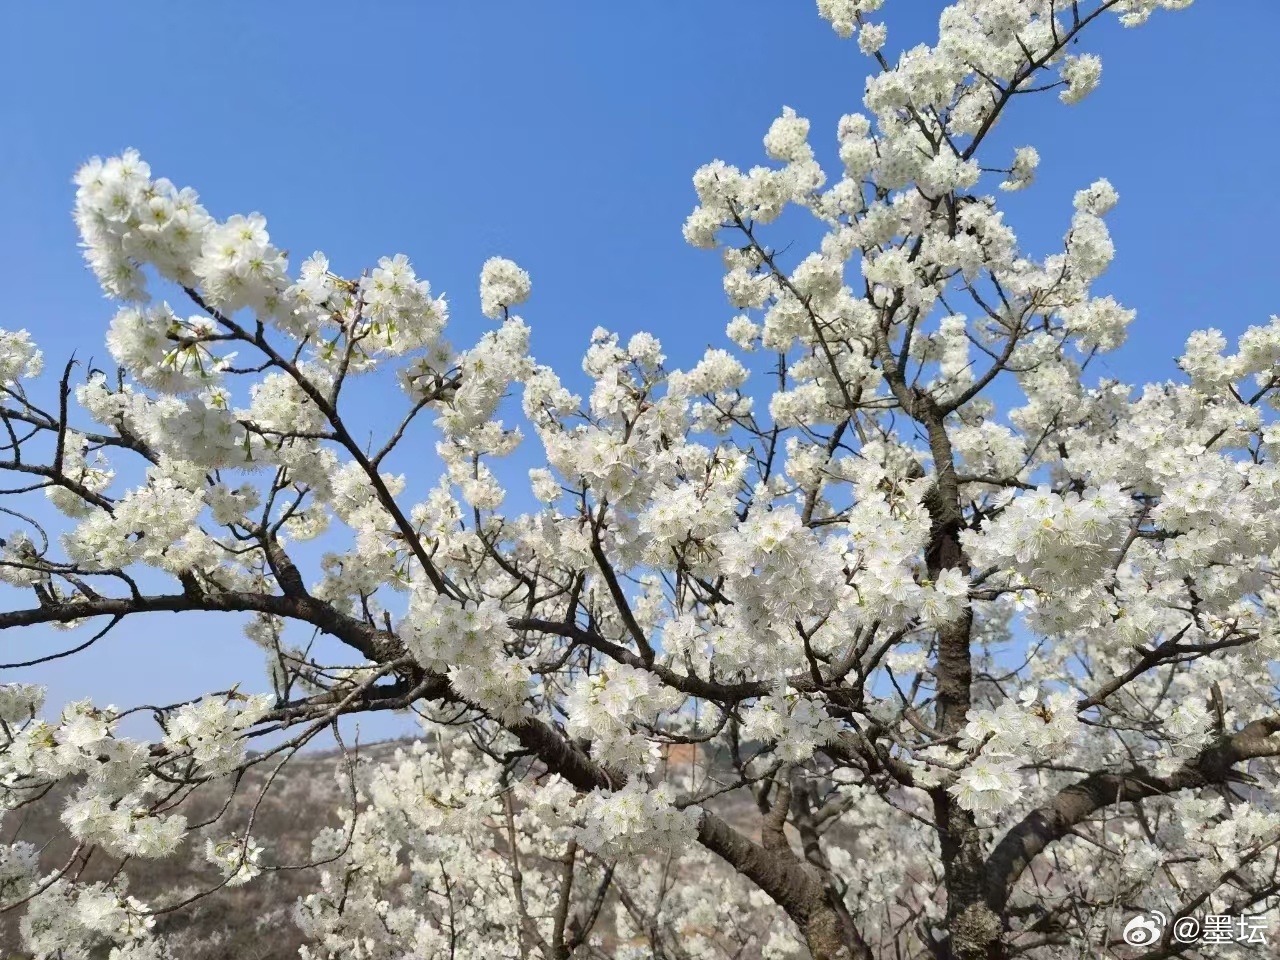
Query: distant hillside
(252, 922)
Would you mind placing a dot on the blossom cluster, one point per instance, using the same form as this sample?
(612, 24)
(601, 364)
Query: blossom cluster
(894, 538)
(1004, 738)
(636, 820)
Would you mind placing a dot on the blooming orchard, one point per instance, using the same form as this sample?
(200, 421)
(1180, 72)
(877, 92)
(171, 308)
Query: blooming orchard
(808, 650)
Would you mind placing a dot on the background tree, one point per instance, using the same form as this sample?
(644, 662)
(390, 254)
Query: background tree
(986, 643)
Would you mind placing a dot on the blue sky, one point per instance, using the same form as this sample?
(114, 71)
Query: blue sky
(563, 135)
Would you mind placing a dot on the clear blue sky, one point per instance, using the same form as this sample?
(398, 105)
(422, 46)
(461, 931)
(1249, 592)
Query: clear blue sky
(563, 135)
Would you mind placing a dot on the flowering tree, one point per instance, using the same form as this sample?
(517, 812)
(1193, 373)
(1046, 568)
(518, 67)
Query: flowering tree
(985, 681)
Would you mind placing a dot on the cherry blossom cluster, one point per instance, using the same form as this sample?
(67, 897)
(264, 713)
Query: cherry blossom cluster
(888, 625)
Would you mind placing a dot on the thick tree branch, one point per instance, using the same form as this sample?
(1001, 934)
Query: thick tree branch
(1076, 803)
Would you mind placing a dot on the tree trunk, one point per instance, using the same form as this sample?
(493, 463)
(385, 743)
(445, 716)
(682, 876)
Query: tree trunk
(827, 939)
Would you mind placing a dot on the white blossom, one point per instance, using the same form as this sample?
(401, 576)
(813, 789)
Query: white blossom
(782, 634)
